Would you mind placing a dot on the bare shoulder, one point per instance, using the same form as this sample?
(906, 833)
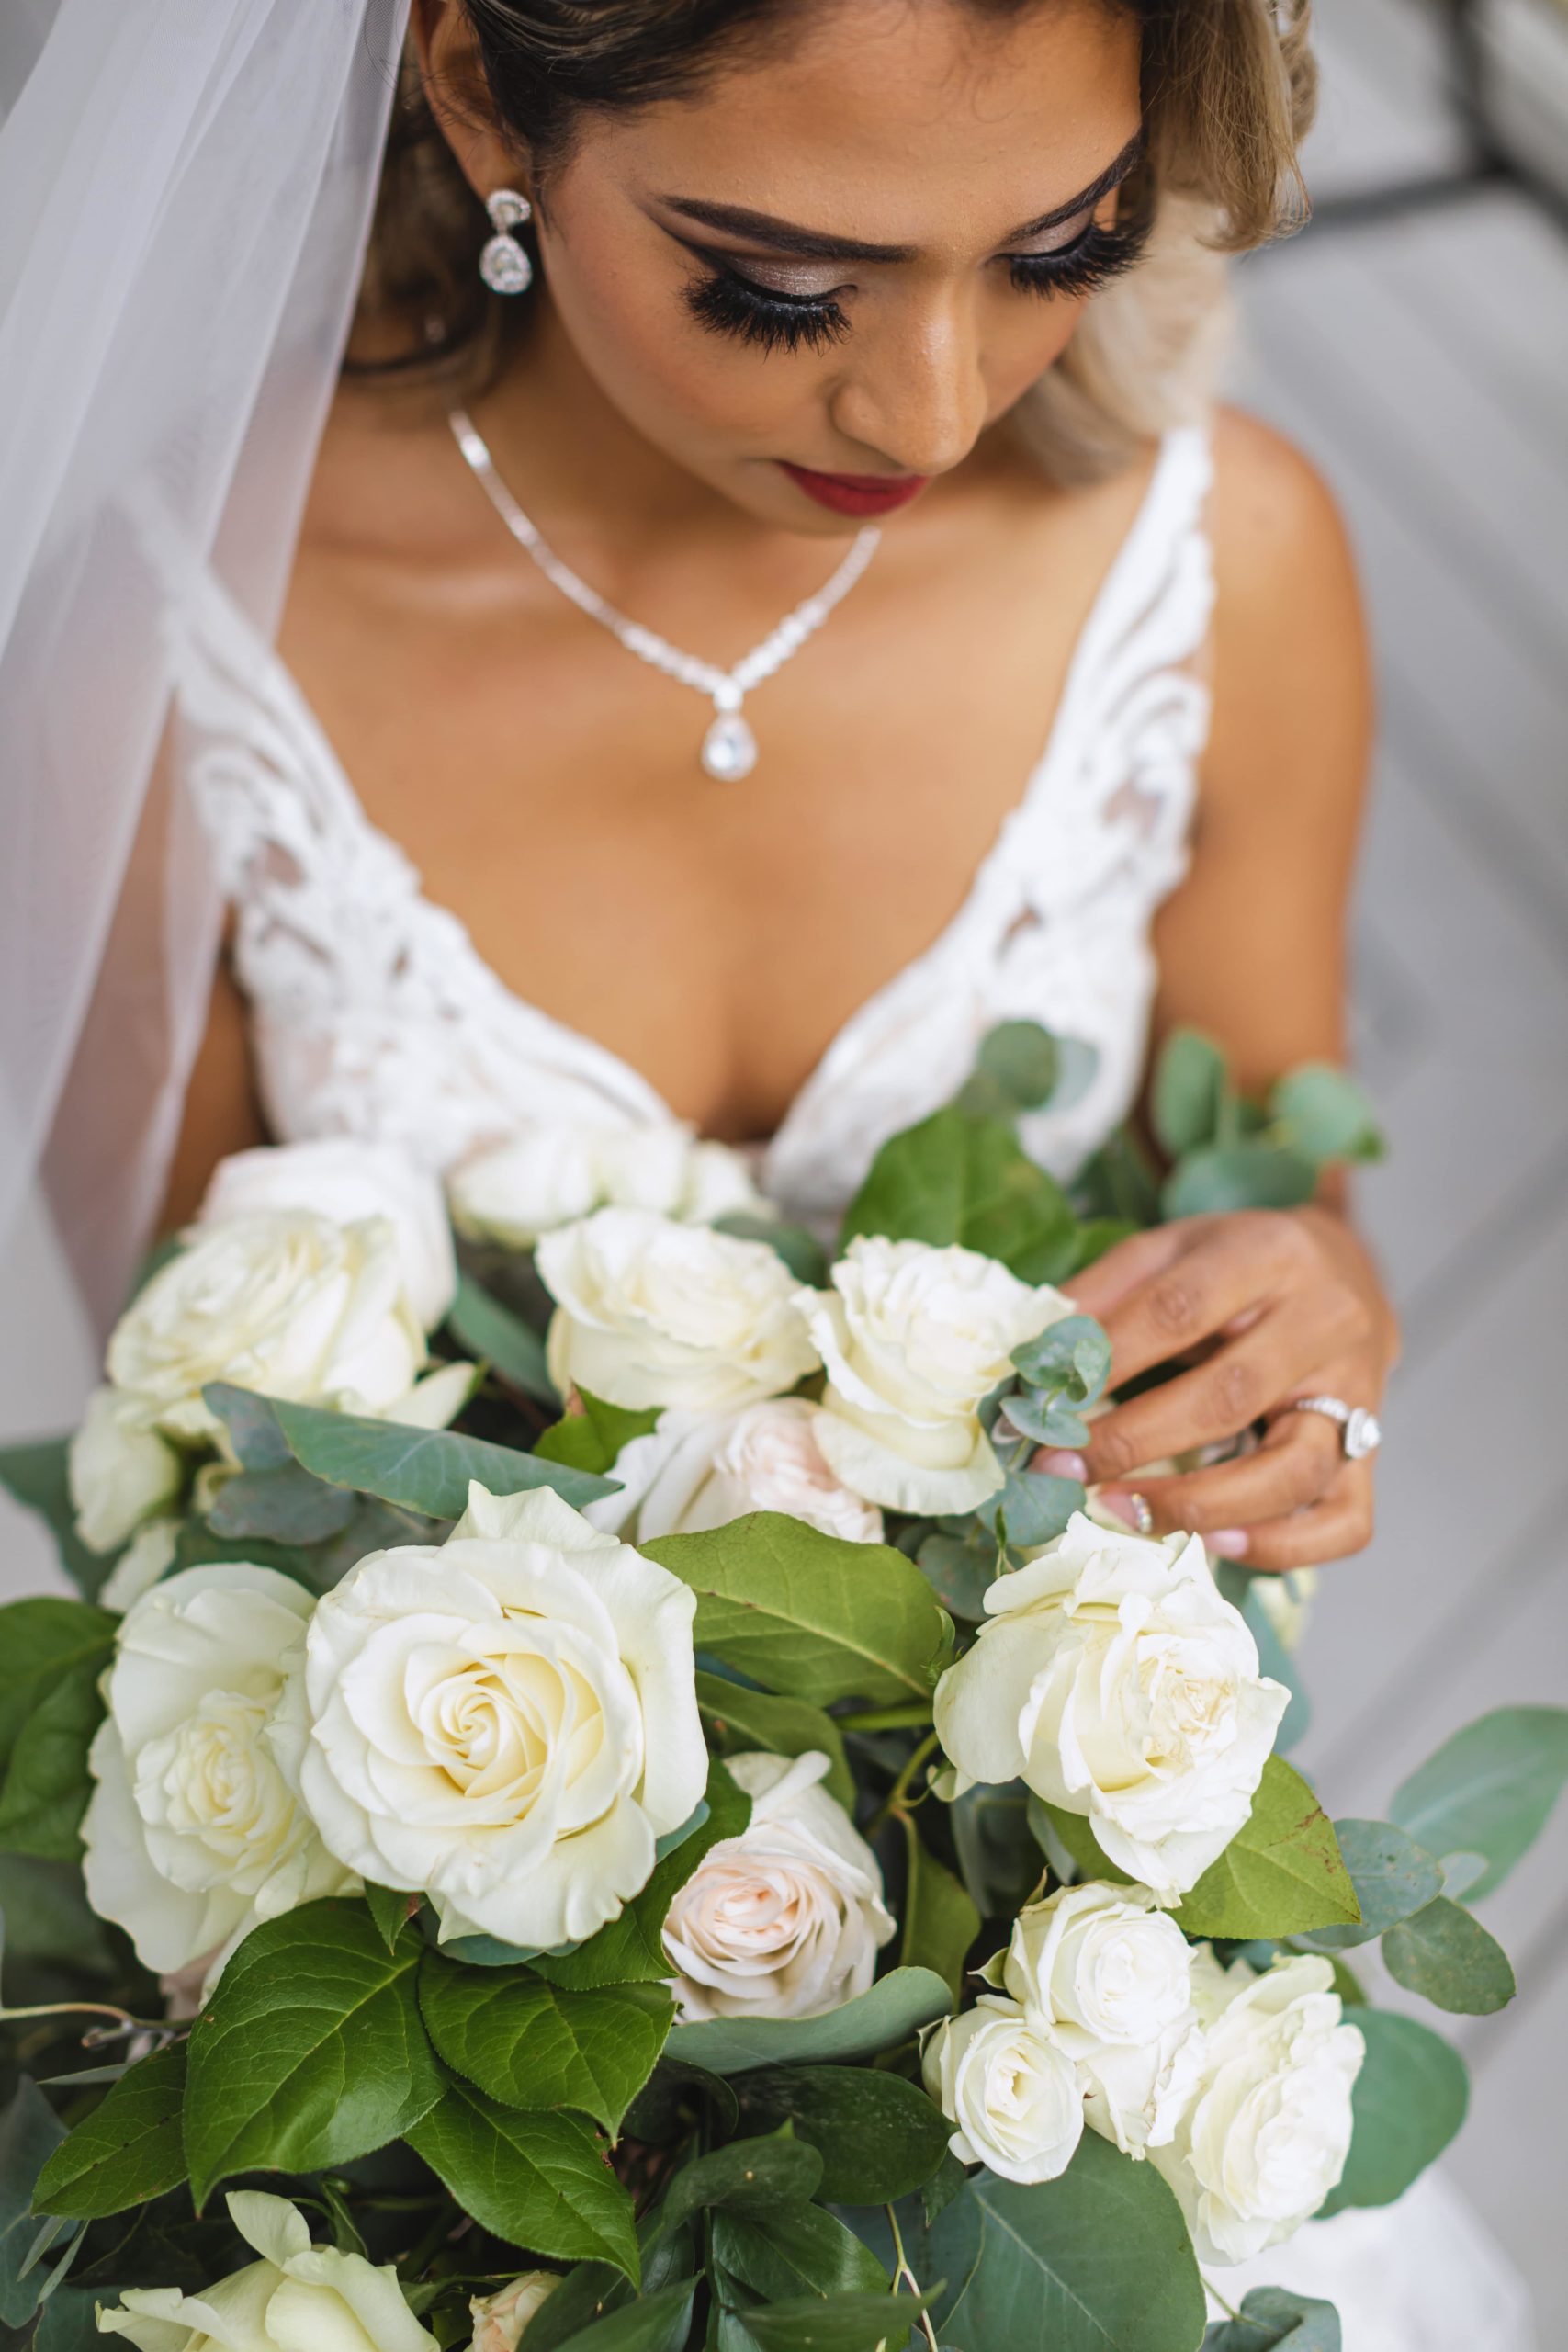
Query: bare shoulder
(1279, 537)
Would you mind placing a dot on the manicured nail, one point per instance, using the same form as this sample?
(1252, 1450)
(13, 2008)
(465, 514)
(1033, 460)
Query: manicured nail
(1228, 1542)
(1063, 1465)
(1132, 1510)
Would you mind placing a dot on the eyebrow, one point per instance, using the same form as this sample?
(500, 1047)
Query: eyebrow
(813, 245)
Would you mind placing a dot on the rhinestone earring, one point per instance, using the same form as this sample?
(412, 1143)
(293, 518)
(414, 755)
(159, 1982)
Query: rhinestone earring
(504, 265)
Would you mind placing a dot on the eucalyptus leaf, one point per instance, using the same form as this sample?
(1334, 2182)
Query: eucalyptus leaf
(1252, 1175)
(893, 2011)
(312, 2050)
(1280, 1875)
(1445, 1954)
(1191, 1078)
(1409, 2100)
(129, 2149)
(513, 1350)
(285, 1505)
(1033, 1507)
(940, 1923)
(957, 1179)
(880, 2138)
(738, 1719)
(532, 2044)
(1393, 1877)
(1326, 1114)
(1023, 1060)
(537, 2181)
(1273, 2320)
(1488, 1791)
(812, 1616)
(961, 1569)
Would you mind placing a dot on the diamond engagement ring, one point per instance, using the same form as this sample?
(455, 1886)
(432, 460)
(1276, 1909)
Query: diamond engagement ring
(1359, 1433)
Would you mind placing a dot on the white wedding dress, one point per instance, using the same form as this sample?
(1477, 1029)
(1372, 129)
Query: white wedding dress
(374, 1015)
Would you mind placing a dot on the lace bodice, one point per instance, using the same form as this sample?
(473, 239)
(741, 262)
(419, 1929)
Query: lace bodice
(374, 1014)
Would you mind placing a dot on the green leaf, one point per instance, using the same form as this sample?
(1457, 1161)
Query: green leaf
(1445, 1954)
(40, 1640)
(1239, 1176)
(486, 1328)
(532, 2045)
(843, 2323)
(659, 2322)
(946, 2183)
(894, 2010)
(755, 2175)
(30, 2133)
(1066, 1837)
(285, 1505)
(421, 1470)
(1409, 2100)
(956, 1179)
(592, 2290)
(391, 1907)
(738, 1719)
(1097, 2261)
(1120, 1181)
(537, 2181)
(1326, 1115)
(1190, 1081)
(1393, 1878)
(1033, 1507)
(592, 1439)
(44, 1915)
(795, 1244)
(1022, 1061)
(47, 1784)
(39, 1475)
(311, 2050)
(789, 2250)
(940, 1924)
(1281, 1874)
(879, 2137)
(961, 1569)
(129, 2149)
(995, 1848)
(814, 1616)
(1275, 2321)
(1489, 1790)
(631, 1949)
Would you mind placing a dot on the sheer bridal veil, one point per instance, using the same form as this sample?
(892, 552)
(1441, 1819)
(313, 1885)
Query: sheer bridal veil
(186, 188)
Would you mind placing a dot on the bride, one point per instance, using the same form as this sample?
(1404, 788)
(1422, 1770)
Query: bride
(773, 599)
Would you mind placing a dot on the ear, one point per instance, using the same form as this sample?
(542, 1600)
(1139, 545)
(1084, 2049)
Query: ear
(459, 99)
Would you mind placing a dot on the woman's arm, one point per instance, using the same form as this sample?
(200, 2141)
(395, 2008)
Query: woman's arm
(1251, 949)
(221, 1113)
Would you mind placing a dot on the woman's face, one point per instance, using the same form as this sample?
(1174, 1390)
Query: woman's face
(815, 283)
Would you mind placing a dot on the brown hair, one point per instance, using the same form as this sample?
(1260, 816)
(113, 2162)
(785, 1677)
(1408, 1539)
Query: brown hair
(1228, 91)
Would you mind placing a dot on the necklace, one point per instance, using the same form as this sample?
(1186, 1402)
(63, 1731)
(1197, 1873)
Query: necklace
(730, 748)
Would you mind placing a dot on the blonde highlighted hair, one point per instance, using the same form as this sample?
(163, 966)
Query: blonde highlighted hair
(1229, 88)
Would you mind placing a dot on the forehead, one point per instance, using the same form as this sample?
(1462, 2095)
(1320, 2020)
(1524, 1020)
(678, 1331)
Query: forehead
(874, 119)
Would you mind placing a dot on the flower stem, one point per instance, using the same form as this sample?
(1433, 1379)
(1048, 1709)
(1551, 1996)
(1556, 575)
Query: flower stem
(904, 2276)
(899, 1791)
(910, 1716)
(124, 2022)
(1225, 2303)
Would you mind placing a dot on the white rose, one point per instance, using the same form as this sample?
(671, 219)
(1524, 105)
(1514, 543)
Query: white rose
(1116, 1681)
(286, 1302)
(348, 1180)
(785, 1920)
(650, 1312)
(554, 1171)
(915, 1338)
(149, 1554)
(1000, 2076)
(298, 2295)
(507, 1722)
(121, 1470)
(765, 1458)
(499, 2320)
(1267, 2135)
(195, 1831)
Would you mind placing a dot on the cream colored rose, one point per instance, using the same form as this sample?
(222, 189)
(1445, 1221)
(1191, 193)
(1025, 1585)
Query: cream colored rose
(507, 1722)
(121, 1470)
(1113, 1977)
(1010, 2091)
(149, 1555)
(297, 2297)
(705, 1472)
(286, 1302)
(785, 1920)
(195, 1831)
(1115, 1680)
(499, 2320)
(347, 1180)
(651, 1312)
(1266, 2137)
(553, 1172)
(915, 1338)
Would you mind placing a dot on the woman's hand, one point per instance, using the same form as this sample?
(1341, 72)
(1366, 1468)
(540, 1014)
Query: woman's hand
(1262, 1305)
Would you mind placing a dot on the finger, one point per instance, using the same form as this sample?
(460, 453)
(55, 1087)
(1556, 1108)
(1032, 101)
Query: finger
(1331, 1530)
(1220, 1397)
(1297, 1463)
(1238, 1263)
(1125, 1267)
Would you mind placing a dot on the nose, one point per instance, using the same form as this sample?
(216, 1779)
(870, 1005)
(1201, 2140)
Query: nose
(917, 398)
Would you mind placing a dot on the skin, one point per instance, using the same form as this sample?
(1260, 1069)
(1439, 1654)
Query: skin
(502, 738)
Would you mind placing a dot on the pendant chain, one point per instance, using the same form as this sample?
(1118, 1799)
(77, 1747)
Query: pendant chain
(730, 748)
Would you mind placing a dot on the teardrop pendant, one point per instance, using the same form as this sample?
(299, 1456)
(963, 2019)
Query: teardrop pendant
(730, 748)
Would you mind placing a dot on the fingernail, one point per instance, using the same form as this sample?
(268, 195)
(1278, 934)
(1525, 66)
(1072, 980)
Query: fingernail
(1063, 1465)
(1132, 1510)
(1228, 1542)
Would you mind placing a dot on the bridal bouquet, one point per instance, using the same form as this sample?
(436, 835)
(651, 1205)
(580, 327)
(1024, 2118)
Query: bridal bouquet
(594, 1798)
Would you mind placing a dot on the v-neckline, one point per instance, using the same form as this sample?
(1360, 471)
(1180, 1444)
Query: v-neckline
(622, 1079)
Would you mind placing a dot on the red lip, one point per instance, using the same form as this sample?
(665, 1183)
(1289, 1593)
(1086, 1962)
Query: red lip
(857, 493)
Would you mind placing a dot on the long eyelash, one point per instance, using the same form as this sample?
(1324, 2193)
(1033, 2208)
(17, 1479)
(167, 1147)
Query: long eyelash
(728, 305)
(1099, 255)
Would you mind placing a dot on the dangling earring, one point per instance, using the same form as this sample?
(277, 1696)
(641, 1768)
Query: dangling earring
(504, 265)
